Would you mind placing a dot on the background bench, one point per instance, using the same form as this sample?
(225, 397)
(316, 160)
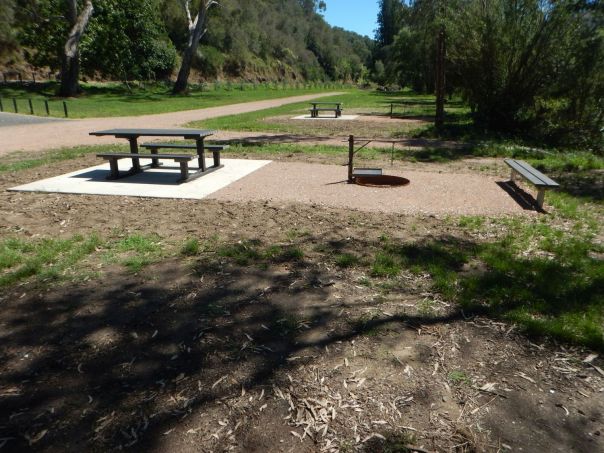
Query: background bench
(333, 107)
(182, 159)
(532, 175)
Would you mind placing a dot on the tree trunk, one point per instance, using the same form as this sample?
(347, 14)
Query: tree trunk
(439, 119)
(70, 61)
(196, 31)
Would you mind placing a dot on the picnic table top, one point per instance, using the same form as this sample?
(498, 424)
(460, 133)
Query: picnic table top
(182, 132)
(327, 103)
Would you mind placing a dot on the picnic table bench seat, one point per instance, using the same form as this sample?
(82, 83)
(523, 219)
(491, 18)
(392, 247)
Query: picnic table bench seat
(532, 175)
(153, 147)
(183, 146)
(335, 107)
(182, 159)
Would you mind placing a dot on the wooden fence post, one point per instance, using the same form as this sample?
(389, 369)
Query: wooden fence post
(350, 157)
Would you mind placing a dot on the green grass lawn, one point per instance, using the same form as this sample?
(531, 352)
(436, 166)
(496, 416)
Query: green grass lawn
(364, 102)
(113, 99)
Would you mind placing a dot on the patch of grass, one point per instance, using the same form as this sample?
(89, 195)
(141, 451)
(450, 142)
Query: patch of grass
(20, 161)
(471, 222)
(426, 307)
(46, 259)
(136, 263)
(558, 292)
(252, 251)
(135, 251)
(115, 99)
(385, 265)
(139, 243)
(458, 377)
(242, 252)
(364, 281)
(346, 259)
(190, 247)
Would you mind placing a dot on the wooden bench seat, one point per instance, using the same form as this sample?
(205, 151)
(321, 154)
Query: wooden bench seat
(182, 159)
(532, 175)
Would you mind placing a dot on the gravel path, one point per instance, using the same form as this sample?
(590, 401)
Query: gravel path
(48, 135)
(14, 119)
(325, 185)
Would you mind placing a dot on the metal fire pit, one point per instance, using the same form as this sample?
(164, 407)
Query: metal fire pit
(381, 181)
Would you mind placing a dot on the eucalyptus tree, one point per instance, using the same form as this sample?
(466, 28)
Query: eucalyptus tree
(70, 59)
(197, 28)
(8, 42)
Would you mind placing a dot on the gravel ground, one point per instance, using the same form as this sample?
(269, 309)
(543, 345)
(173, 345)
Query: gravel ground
(325, 185)
(39, 137)
(13, 119)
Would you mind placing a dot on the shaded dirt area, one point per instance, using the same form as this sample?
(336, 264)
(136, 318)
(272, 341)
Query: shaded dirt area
(242, 352)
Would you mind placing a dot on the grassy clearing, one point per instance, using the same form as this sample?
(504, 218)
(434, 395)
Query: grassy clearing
(545, 274)
(114, 99)
(408, 105)
(45, 259)
(55, 260)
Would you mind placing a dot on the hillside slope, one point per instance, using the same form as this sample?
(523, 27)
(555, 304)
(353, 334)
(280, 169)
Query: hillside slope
(141, 39)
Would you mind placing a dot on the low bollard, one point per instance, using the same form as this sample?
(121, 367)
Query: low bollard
(46, 106)
(15, 105)
(31, 107)
(65, 109)
(1, 106)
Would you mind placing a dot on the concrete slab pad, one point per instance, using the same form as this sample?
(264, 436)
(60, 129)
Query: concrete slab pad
(157, 182)
(332, 118)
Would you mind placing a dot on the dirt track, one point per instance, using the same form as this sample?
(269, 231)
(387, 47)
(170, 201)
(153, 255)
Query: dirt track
(38, 137)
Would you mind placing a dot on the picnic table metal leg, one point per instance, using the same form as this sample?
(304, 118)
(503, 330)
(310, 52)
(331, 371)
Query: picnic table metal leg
(136, 166)
(201, 154)
(154, 162)
(513, 176)
(115, 173)
(540, 198)
(184, 170)
(216, 156)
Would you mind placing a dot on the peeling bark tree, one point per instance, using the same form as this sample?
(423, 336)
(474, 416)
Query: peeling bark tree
(70, 64)
(197, 29)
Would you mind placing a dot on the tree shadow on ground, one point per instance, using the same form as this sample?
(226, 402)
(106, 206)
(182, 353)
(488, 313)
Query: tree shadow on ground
(120, 361)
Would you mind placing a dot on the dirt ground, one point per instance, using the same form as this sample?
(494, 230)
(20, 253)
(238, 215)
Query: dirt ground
(207, 354)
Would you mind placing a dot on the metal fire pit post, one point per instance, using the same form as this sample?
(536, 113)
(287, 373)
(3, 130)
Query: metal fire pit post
(350, 158)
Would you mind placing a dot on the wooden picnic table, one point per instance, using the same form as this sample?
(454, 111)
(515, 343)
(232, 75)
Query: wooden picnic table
(132, 136)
